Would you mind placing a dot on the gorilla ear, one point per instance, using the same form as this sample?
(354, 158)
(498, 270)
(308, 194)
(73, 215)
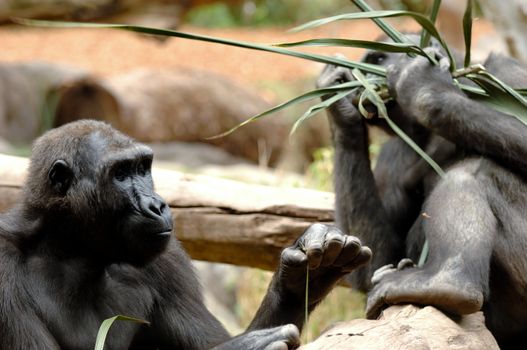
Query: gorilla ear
(60, 176)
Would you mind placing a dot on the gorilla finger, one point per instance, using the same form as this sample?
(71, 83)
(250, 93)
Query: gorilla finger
(379, 275)
(332, 247)
(315, 232)
(444, 63)
(362, 258)
(383, 268)
(405, 263)
(349, 252)
(374, 307)
(291, 335)
(314, 254)
(313, 242)
(435, 52)
(293, 258)
(277, 345)
(346, 75)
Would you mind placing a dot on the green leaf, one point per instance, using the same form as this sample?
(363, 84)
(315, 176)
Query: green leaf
(471, 90)
(304, 97)
(392, 33)
(505, 87)
(319, 107)
(362, 110)
(425, 23)
(425, 36)
(371, 68)
(105, 327)
(467, 31)
(363, 44)
(424, 253)
(499, 96)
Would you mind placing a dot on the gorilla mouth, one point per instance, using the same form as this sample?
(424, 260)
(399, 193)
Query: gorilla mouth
(164, 233)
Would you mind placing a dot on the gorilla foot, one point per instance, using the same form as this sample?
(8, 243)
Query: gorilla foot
(411, 285)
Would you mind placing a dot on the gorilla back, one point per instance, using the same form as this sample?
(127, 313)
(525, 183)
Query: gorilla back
(91, 239)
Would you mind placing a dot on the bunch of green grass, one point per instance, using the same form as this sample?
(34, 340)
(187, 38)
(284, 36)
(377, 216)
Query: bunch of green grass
(491, 90)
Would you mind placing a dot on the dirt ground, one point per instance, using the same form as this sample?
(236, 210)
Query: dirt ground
(107, 52)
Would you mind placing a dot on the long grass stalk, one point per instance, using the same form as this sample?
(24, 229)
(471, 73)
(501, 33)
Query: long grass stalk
(425, 36)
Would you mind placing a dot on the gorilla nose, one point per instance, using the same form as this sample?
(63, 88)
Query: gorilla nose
(156, 209)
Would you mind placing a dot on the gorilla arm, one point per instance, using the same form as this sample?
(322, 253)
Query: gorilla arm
(326, 250)
(328, 254)
(367, 205)
(427, 94)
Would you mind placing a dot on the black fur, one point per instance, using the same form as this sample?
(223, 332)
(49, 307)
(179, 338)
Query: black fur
(474, 218)
(91, 239)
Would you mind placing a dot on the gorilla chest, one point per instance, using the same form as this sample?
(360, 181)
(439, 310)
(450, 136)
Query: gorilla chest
(74, 324)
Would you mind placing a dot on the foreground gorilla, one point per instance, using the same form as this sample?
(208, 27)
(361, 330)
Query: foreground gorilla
(475, 218)
(91, 239)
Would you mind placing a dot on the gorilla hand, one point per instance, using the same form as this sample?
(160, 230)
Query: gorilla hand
(276, 338)
(328, 253)
(343, 113)
(419, 86)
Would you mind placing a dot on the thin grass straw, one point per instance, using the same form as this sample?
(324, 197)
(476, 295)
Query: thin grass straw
(425, 35)
(306, 307)
(467, 31)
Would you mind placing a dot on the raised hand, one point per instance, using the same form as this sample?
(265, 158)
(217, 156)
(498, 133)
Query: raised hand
(327, 253)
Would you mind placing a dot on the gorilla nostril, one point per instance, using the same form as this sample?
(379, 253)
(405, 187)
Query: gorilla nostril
(156, 207)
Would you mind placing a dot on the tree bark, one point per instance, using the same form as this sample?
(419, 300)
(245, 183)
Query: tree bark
(408, 327)
(217, 220)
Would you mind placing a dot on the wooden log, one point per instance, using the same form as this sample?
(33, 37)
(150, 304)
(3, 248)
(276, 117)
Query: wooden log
(408, 327)
(156, 13)
(215, 219)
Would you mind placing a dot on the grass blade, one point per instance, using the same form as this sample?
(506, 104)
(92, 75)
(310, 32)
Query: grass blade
(381, 109)
(424, 22)
(425, 36)
(374, 69)
(362, 110)
(363, 44)
(500, 96)
(467, 31)
(393, 33)
(319, 107)
(304, 97)
(424, 254)
(105, 327)
(505, 87)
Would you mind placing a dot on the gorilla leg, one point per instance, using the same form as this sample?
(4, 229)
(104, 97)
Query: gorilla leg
(461, 228)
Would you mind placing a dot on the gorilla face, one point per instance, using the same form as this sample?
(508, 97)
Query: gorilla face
(102, 188)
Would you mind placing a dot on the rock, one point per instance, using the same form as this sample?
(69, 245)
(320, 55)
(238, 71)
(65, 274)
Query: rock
(408, 327)
(25, 100)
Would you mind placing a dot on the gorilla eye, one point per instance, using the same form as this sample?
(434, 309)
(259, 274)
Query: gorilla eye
(143, 167)
(375, 57)
(122, 172)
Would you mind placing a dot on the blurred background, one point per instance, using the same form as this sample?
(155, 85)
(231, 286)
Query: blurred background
(172, 94)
